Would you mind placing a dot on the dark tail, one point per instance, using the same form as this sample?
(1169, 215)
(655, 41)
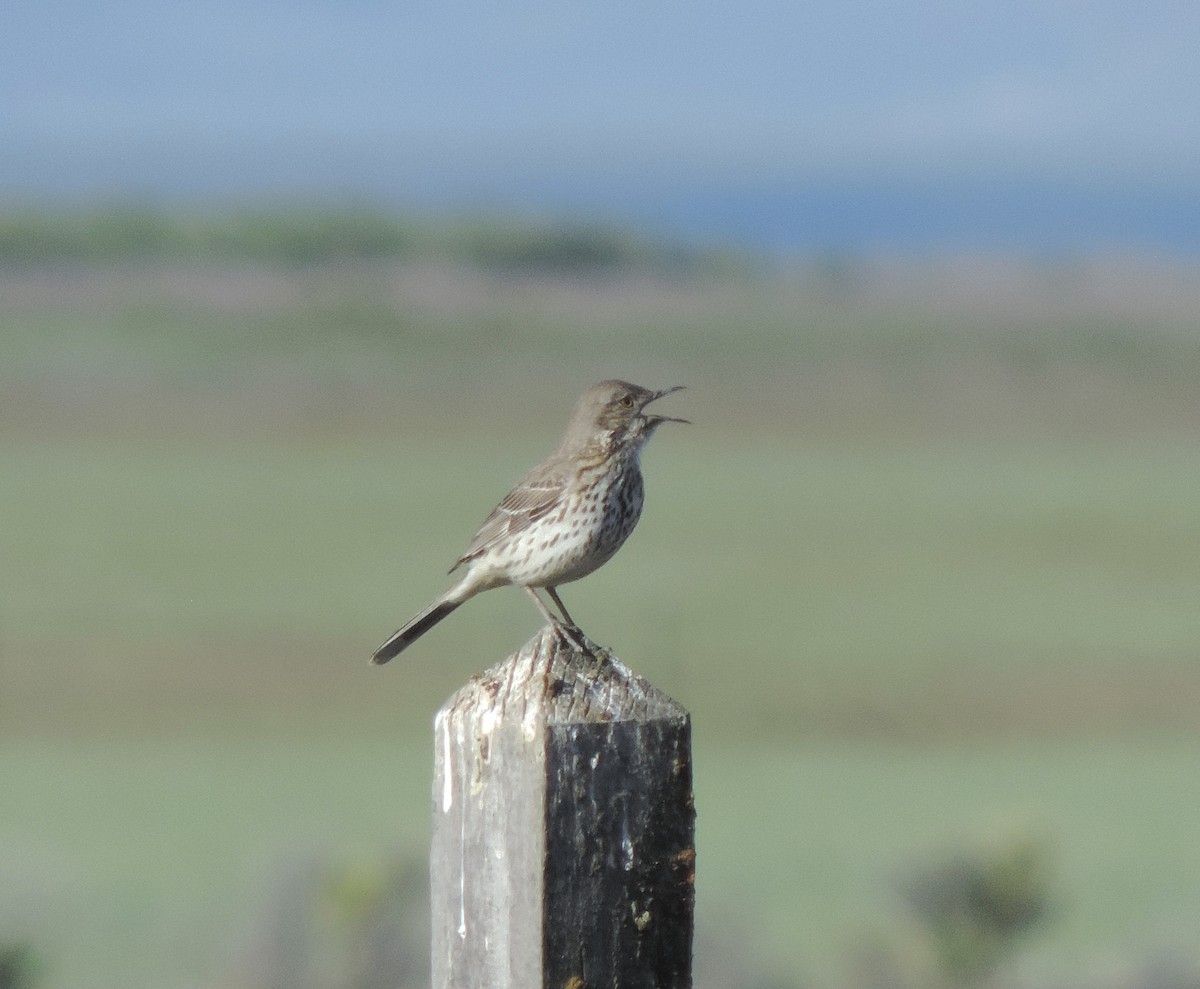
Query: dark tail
(400, 640)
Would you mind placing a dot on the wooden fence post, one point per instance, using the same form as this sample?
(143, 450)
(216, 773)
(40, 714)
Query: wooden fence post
(563, 828)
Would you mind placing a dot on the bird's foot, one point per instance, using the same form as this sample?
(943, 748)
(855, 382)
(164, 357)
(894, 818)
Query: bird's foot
(572, 636)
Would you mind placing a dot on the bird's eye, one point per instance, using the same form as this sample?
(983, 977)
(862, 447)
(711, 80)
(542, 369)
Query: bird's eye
(627, 402)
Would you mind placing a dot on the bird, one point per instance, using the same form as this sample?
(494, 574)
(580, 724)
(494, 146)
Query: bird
(561, 521)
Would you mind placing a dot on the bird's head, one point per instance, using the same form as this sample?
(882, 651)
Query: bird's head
(613, 414)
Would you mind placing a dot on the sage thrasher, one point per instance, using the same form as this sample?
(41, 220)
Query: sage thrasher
(565, 518)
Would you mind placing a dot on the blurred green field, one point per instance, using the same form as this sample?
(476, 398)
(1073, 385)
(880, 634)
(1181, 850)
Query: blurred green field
(912, 593)
(923, 569)
(150, 864)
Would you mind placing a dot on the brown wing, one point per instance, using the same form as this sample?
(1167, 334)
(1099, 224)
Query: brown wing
(534, 496)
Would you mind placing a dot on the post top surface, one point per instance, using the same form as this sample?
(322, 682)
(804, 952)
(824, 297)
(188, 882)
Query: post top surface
(555, 684)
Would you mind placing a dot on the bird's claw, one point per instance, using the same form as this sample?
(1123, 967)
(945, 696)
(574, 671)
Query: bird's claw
(572, 636)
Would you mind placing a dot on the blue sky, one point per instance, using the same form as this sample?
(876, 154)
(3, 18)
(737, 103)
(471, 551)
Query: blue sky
(609, 107)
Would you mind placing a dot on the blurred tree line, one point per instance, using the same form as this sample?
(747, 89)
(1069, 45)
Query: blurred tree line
(297, 235)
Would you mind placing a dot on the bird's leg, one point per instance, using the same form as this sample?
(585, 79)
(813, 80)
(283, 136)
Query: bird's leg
(567, 631)
(549, 615)
(561, 607)
(571, 632)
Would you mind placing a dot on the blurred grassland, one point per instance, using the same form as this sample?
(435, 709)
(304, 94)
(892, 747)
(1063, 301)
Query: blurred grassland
(924, 564)
(151, 863)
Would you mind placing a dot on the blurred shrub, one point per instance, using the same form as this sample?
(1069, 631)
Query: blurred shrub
(564, 249)
(326, 925)
(18, 966)
(976, 906)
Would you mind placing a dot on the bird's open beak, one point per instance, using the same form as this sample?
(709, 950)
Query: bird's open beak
(655, 420)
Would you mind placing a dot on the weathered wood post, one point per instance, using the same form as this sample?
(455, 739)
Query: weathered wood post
(563, 825)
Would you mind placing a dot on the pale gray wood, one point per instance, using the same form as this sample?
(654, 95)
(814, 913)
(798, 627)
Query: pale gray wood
(563, 828)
